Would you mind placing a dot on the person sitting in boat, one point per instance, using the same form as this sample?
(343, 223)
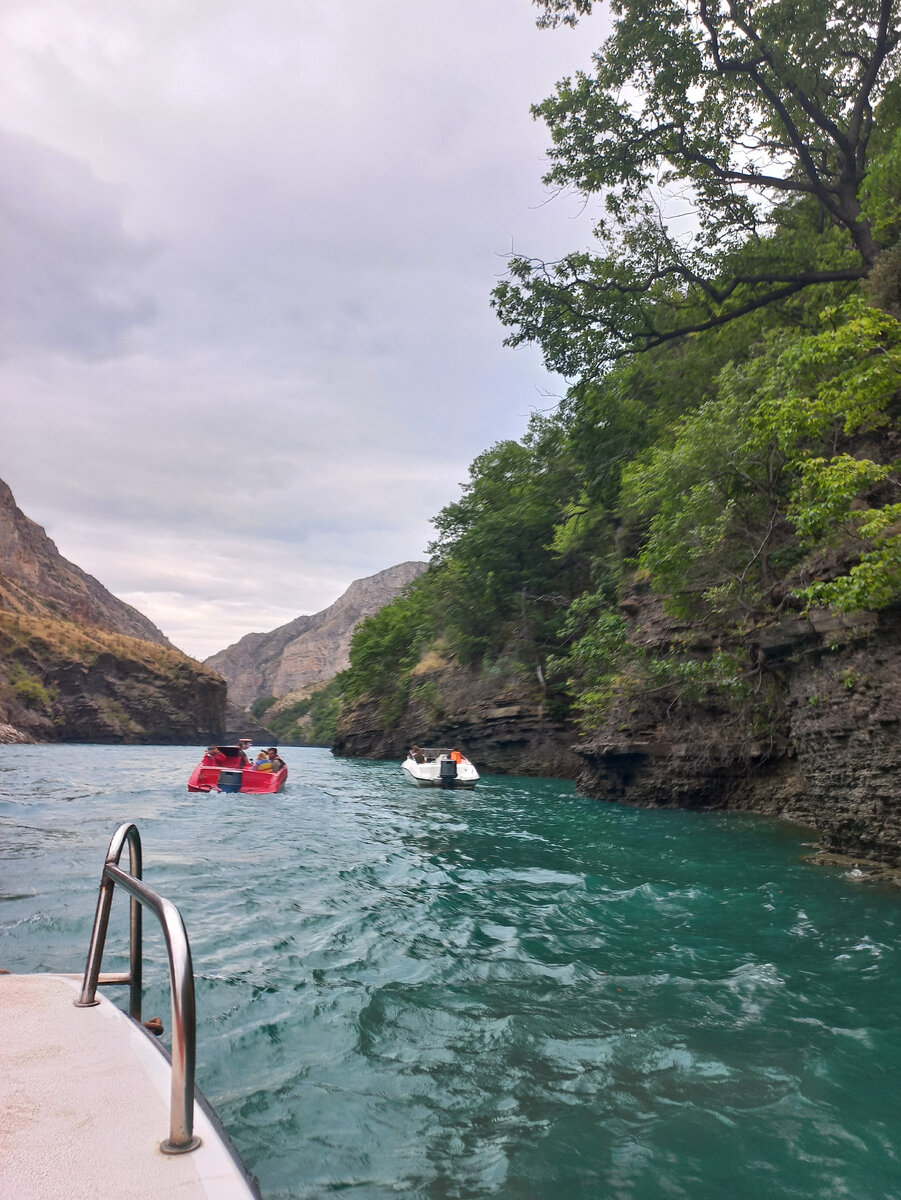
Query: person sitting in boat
(458, 756)
(277, 764)
(214, 757)
(417, 755)
(244, 745)
(262, 763)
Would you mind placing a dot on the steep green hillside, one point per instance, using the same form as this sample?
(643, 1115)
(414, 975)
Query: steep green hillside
(309, 721)
(726, 459)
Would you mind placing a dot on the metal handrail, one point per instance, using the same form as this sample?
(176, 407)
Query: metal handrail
(181, 1137)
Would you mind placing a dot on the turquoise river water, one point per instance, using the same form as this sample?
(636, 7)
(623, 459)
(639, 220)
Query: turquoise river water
(514, 992)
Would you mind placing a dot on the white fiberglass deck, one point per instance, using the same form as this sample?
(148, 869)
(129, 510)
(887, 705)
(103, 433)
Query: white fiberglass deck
(84, 1105)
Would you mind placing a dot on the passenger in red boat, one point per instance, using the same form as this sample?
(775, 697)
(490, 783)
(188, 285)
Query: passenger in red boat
(276, 764)
(244, 745)
(214, 757)
(263, 763)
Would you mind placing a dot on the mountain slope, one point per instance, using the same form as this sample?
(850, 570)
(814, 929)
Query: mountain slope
(311, 649)
(79, 664)
(36, 579)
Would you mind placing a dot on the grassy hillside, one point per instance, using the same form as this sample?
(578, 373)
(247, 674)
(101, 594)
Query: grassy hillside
(64, 681)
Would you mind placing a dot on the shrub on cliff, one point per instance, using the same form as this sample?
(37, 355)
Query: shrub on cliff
(777, 468)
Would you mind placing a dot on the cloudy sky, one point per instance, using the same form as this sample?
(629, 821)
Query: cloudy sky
(247, 252)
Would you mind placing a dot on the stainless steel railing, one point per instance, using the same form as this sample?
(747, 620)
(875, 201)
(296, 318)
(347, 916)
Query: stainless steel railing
(181, 1137)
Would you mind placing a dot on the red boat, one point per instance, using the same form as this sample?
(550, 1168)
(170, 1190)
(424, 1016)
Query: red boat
(227, 769)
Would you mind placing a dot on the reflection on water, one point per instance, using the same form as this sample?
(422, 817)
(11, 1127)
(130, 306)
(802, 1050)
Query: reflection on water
(511, 993)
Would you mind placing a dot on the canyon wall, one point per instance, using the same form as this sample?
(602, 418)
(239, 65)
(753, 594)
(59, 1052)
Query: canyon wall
(79, 664)
(815, 737)
(816, 740)
(501, 723)
(36, 579)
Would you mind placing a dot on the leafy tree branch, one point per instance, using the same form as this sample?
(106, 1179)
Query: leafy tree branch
(750, 111)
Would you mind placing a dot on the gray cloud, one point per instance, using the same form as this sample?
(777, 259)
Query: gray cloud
(67, 283)
(249, 350)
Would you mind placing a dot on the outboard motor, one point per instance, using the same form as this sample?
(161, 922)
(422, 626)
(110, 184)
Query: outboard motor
(447, 770)
(229, 780)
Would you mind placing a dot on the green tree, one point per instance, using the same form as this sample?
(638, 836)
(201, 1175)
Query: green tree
(386, 646)
(754, 117)
(830, 399)
(498, 575)
(714, 496)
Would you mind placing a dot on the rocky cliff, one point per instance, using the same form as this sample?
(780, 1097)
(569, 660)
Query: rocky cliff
(808, 728)
(311, 649)
(496, 719)
(78, 664)
(814, 736)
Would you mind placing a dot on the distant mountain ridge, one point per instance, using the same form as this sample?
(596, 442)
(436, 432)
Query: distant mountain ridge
(311, 649)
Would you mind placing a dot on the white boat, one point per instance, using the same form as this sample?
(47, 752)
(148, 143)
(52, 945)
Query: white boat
(90, 1104)
(439, 768)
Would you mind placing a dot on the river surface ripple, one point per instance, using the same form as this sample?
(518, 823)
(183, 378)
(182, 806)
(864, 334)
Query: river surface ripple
(514, 992)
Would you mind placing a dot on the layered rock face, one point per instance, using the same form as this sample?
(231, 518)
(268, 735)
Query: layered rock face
(500, 725)
(311, 649)
(820, 742)
(78, 664)
(844, 709)
(120, 696)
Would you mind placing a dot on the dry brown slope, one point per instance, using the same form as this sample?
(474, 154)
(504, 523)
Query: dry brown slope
(79, 664)
(36, 579)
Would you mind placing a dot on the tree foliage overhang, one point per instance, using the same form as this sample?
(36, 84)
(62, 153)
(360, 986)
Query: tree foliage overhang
(758, 116)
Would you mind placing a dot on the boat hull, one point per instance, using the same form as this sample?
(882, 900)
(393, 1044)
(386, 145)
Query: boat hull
(85, 1095)
(428, 774)
(247, 780)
